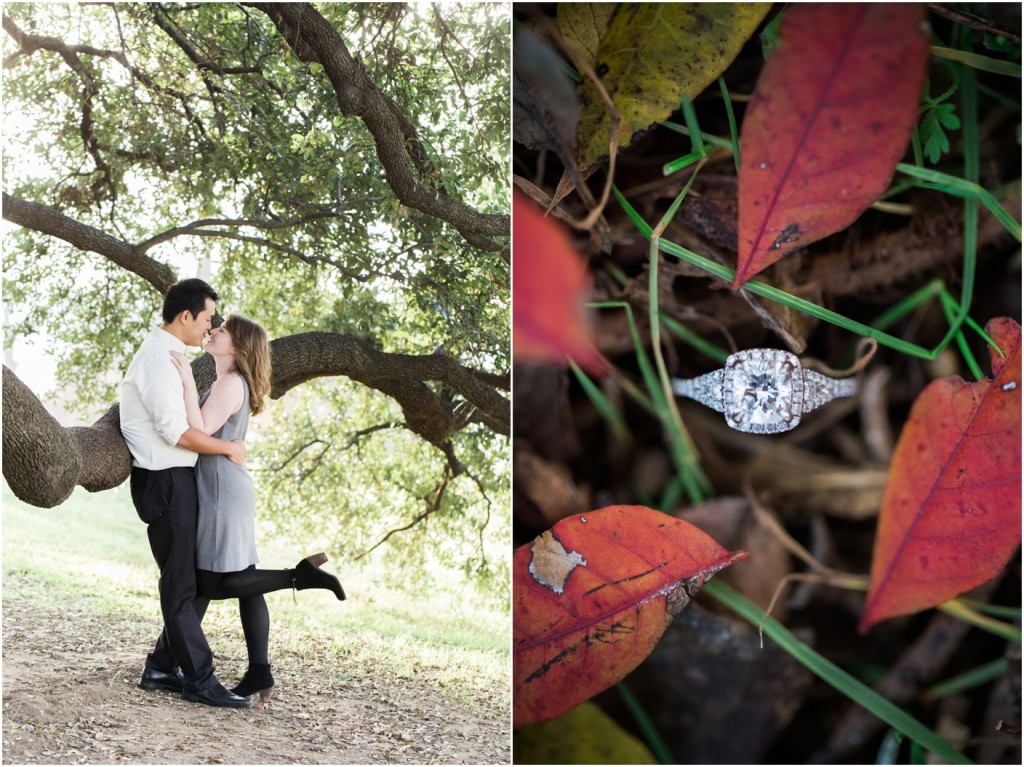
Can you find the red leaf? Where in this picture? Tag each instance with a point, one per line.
(593, 595)
(549, 284)
(950, 516)
(830, 117)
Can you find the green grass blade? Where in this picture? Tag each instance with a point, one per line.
(997, 611)
(683, 162)
(733, 133)
(671, 496)
(601, 403)
(950, 308)
(972, 173)
(977, 61)
(715, 141)
(959, 610)
(920, 296)
(690, 115)
(699, 343)
(898, 186)
(850, 686)
(647, 728)
(681, 447)
(959, 187)
(915, 144)
(903, 307)
(781, 296)
(968, 680)
(650, 377)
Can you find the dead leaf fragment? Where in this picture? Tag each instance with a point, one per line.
(545, 112)
(548, 485)
(550, 564)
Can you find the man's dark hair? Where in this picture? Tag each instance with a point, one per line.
(187, 295)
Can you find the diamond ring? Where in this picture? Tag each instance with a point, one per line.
(764, 391)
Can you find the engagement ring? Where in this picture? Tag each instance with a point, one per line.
(764, 391)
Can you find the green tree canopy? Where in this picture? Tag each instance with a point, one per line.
(339, 173)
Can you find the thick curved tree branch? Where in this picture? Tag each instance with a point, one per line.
(309, 355)
(40, 218)
(41, 461)
(44, 461)
(313, 39)
(302, 357)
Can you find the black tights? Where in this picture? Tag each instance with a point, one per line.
(248, 587)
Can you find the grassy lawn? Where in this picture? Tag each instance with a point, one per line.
(93, 550)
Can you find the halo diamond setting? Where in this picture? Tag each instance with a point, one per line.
(763, 391)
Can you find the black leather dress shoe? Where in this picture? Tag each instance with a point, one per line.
(155, 679)
(218, 695)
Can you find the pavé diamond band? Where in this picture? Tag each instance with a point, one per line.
(764, 391)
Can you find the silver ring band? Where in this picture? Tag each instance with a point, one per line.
(764, 391)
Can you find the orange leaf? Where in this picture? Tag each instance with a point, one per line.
(951, 512)
(829, 119)
(549, 284)
(593, 595)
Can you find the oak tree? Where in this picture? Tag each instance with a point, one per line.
(339, 173)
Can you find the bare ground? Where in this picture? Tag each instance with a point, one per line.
(70, 696)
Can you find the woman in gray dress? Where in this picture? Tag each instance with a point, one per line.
(226, 536)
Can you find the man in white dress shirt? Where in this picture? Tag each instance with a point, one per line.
(164, 451)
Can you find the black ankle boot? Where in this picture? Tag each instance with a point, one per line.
(308, 575)
(257, 681)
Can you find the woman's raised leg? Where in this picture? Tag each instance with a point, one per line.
(250, 582)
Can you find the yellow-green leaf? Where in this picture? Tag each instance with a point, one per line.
(584, 735)
(583, 25)
(653, 54)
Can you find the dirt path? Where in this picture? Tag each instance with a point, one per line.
(70, 696)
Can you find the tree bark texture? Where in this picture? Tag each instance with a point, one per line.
(40, 460)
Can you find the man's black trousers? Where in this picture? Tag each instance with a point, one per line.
(167, 502)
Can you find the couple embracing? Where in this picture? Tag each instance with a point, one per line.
(189, 486)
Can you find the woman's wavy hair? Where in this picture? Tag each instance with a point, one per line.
(252, 357)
